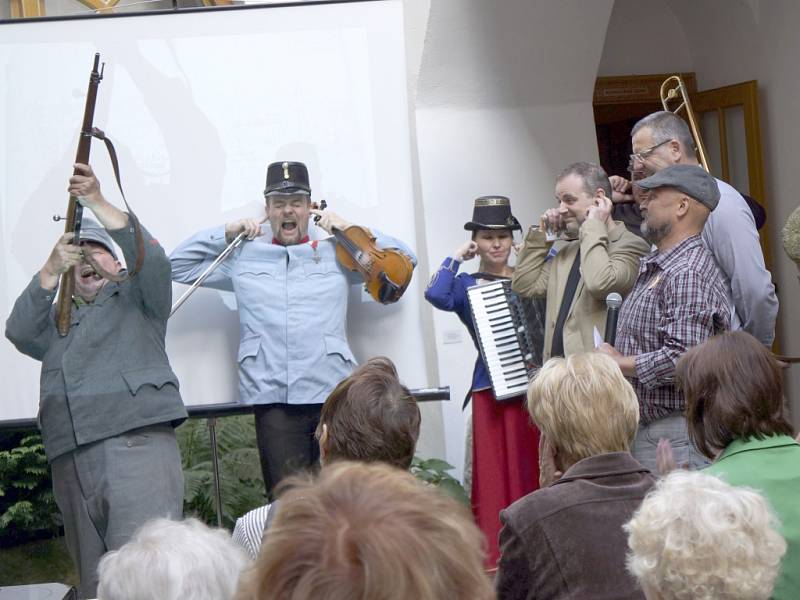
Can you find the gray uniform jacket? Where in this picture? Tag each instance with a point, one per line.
(292, 304)
(110, 374)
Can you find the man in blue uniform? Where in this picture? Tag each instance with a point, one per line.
(292, 299)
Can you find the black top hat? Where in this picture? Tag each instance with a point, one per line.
(287, 178)
(492, 212)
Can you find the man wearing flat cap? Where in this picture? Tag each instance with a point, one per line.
(662, 139)
(595, 256)
(108, 397)
(291, 294)
(678, 301)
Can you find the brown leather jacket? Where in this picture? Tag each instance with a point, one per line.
(566, 540)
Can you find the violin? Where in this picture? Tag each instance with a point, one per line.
(386, 273)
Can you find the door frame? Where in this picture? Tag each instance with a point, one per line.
(620, 94)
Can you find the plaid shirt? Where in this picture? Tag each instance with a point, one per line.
(678, 301)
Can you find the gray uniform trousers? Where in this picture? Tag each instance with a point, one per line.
(108, 489)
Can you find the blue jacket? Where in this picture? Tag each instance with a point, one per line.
(447, 290)
(292, 311)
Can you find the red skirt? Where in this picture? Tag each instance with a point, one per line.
(505, 461)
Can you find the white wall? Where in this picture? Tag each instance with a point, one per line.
(643, 37)
(779, 79)
(722, 39)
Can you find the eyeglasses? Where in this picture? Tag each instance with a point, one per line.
(637, 174)
(645, 154)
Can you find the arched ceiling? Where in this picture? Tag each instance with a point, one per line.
(511, 52)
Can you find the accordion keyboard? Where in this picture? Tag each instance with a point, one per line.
(503, 340)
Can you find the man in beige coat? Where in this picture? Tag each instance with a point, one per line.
(576, 257)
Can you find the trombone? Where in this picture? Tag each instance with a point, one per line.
(678, 91)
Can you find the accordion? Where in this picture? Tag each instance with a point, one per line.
(510, 333)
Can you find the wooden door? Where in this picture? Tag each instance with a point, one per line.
(728, 118)
(21, 9)
(618, 103)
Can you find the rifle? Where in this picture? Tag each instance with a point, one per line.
(74, 208)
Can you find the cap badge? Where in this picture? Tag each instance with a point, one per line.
(285, 170)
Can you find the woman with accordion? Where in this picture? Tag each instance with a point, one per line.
(504, 442)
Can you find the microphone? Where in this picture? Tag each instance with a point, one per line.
(613, 302)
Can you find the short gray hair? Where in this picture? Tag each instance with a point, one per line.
(695, 536)
(172, 560)
(593, 176)
(665, 126)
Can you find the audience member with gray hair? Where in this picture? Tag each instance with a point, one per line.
(663, 139)
(172, 560)
(696, 537)
(565, 540)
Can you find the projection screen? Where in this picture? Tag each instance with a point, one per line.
(197, 104)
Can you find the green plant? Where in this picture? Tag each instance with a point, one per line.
(27, 506)
(39, 561)
(241, 483)
(434, 472)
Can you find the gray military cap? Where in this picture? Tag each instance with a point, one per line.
(92, 231)
(692, 180)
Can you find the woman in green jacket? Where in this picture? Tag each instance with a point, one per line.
(735, 409)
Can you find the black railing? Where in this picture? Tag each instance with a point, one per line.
(212, 412)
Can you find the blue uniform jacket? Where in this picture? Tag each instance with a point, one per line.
(447, 290)
(292, 311)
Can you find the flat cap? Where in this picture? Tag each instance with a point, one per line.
(92, 231)
(692, 180)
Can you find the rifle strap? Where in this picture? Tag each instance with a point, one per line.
(112, 153)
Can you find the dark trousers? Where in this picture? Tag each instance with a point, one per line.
(286, 442)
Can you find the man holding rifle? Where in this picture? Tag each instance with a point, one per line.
(108, 397)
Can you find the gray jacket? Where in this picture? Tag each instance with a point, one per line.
(110, 374)
(730, 233)
(292, 304)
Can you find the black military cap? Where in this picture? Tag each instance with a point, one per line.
(287, 178)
